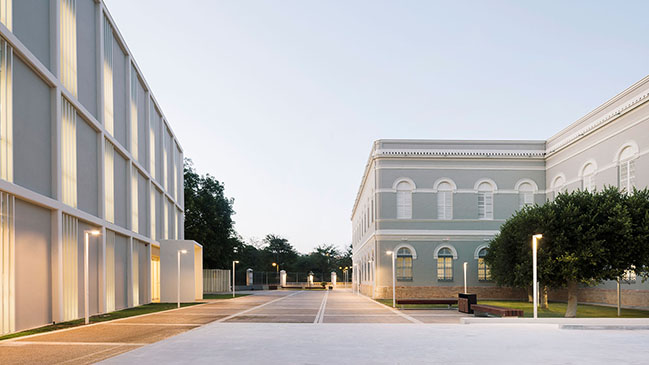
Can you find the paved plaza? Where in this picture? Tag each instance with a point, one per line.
(320, 327)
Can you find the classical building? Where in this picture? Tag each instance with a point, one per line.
(84, 148)
(436, 204)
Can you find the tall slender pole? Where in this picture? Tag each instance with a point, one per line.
(465, 264)
(233, 277)
(619, 297)
(535, 284)
(394, 283)
(178, 282)
(85, 277)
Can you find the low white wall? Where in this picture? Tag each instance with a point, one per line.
(189, 284)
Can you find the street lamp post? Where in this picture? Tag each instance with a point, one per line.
(464, 265)
(276, 269)
(233, 276)
(86, 235)
(178, 284)
(535, 284)
(394, 280)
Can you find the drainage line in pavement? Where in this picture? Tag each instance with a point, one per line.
(320, 316)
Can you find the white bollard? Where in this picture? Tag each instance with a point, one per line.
(282, 278)
(333, 279)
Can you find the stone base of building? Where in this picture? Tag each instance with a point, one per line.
(412, 292)
(630, 297)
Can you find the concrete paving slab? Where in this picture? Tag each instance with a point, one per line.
(52, 354)
(259, 343)
(108, 333)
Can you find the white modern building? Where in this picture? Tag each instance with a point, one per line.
(436, 204)
(84, 146)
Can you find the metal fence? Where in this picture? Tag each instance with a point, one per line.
(216, 281)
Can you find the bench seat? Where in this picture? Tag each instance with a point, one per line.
(496, 311)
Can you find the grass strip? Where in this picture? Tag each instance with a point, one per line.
(223, 296)
(558, 309)
(124, 313)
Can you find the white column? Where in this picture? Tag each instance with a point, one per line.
(282, 278)
(333, 279)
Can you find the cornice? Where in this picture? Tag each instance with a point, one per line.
(461, 153)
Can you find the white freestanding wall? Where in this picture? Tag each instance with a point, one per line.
(191, 271)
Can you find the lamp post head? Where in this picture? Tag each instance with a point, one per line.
(93, 232)
(538, 236)
(183, 251)
(235, 262)
(274, 264)
(340, 267)
(389, 252)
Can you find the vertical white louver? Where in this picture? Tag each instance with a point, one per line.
(152, 142)
(69, 153)
(155, 279)
(109, 182)
(164, 157)
(135, 213)
(485, 205)
(108, 76)
(6, 111)
(176, 217)
(7, 265)
(176, 164)
(68, 35)
(134, 121)
(627, 175)
(6, 13)
(110, 271)
(135, 267)
(165, 220)
(445, 201)
(152, 215)
(70, 268)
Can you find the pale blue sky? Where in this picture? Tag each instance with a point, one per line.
(281, 100)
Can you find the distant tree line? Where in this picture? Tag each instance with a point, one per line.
(208, 221)
(588, 238)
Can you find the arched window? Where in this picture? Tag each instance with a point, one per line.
(445, 264)
(404, 200)
(626, 169)
(588, 177)
(525, 194)
(444, 200)
(483, 269)
(558, 185)
(485, 201)
(404, 264)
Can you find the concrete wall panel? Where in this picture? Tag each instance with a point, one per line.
(32, 26)
(121, 202)
(87, 168)
(87, 54)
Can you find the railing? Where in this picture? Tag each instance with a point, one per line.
(216, 281)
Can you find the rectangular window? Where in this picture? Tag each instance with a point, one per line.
(445, 205)
(155, 278)
(404, 204)
(483, 270)
(404, 268)
(626, 175)
(445, 268)
(526, 198)
(68, 35)
(6, 13)
(485, 205)
(6, 110)
(109, 182)
(108, 77)
(69, 153)
(7, 264)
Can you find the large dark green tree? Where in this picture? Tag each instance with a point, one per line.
(208, 218)
(587, 238)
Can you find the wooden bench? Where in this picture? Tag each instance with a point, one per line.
(448, 302)
(482, 309)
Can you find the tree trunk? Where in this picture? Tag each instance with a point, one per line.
(544, 297)
(571, 309)
(530, 294)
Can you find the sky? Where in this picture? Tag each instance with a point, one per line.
(281, 100)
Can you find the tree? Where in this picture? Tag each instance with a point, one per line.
(587, 238)
(280, 251)
(208, 217)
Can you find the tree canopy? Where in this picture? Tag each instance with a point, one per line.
(587, 238)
